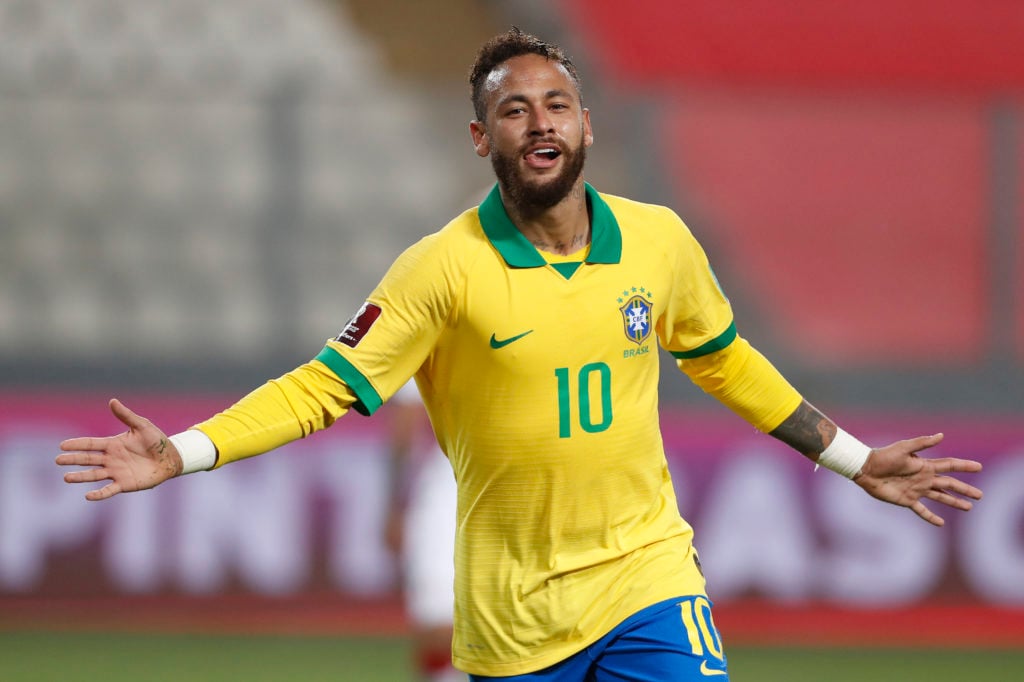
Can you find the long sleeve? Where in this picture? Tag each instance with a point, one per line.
(746, 382)
(307, 399)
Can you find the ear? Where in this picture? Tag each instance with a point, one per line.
(481, 141)
(588, 132)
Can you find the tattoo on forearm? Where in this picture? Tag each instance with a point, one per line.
(806, 430)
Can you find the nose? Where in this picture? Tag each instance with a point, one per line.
(540, 122)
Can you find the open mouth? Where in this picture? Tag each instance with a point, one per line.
(543, 157)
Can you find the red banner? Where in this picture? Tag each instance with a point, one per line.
(959, 45)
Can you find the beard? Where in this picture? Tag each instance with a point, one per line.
(534, 197)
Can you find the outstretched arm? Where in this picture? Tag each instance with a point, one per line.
(309, 398)
(140, 458)
(894, 473)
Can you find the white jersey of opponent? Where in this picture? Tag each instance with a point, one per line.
(428, 548)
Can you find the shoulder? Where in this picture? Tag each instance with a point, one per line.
(460, 238)
(439, 261)
(651, 221)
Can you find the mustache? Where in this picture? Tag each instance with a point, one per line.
(558, 144)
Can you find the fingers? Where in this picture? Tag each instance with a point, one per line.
(927, 514)
(949, 500)
(103, 493)
(955, 485)
(948, 490)
(946, 464)
(86, 443)
(127, 417)
(89, 475)
(86, 476)
(923, 442)
(82, 459)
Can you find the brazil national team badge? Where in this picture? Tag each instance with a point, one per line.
(636, 319)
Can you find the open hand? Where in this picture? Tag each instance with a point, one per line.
(897, 475)
(140, 458)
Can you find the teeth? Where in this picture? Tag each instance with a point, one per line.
(545, 151)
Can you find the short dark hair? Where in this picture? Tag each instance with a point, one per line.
(501, 48)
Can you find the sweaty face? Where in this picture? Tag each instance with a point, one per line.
(537, 131)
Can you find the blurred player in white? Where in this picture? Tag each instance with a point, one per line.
(421, 531)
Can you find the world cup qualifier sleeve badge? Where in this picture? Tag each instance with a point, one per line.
(360, 323)
(636, 316)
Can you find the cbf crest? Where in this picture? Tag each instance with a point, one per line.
(636, 314)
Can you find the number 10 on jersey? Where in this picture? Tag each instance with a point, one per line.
(593, 376)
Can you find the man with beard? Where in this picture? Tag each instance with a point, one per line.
(531, 324)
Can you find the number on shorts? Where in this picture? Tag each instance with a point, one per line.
(700, 628)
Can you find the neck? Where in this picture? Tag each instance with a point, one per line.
(562, 229)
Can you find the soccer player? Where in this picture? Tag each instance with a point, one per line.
(420, 528)
(531, 324)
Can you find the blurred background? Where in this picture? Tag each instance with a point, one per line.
(195, 195)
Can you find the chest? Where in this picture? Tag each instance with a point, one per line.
(600, 312)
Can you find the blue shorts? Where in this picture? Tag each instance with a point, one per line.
(671, 641)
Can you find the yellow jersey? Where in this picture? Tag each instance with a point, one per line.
(541, 382)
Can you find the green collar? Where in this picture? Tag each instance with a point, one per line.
(518, 252)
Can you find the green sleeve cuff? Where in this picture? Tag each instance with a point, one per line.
(713, 346)
(368, 399)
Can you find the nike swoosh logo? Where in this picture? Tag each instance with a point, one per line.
(708, 672)
(501, 343)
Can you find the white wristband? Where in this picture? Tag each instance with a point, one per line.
(844, 455)
(198, 453)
